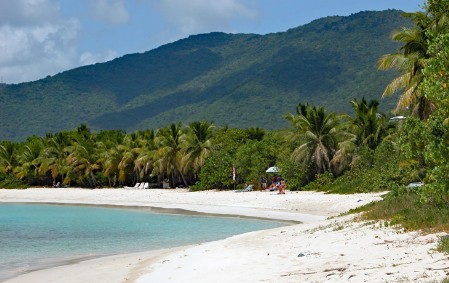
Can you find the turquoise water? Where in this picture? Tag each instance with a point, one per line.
(35, 236)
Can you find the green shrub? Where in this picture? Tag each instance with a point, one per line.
(372, 171)
(9, 181)
(322, 182)
(443, 244)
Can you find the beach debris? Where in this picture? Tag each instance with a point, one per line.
(301, 255)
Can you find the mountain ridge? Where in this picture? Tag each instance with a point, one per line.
(242, 80)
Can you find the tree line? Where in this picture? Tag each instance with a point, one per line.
(320, 150)
(198, 154)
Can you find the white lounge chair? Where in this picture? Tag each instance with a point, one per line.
(136, 186)
(146, 185)
(248, 188)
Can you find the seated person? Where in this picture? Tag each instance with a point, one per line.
(282, 187)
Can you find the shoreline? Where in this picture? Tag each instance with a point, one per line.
(321, 249)
(164, 210)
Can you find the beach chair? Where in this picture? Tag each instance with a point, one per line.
(146, 185)
(248, 188)
(136, 186)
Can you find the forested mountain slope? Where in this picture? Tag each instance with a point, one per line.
(241, 80)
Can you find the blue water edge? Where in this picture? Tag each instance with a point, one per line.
(36, 236)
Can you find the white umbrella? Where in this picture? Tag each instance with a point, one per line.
(273, 169)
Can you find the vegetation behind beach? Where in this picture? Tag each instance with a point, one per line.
(405, 152)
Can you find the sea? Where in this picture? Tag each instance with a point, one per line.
(39, 236)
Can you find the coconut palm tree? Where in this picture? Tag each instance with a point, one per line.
(198, 144)
(8, 159)
(83, 158)
(53, 158)
(28, 159)
(169, 141)
(129, 152)
(409, 61)
(145, 160)
(256, 134)
(370, 126)
(316, 137)
(110, 160)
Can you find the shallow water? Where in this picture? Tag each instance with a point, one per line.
(36, 236)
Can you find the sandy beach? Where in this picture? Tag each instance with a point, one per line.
(320, 249)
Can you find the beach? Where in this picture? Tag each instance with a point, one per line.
(324, 247)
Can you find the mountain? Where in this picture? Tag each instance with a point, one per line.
(241, 80)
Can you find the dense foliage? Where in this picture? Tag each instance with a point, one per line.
(423, 138)
(240, 80)
(202, 156)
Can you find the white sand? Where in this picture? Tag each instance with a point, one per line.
(320, 250)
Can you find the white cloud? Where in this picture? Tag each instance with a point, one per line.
(87, 58)
(198, 16)
(34, 39)
(28, 12)
(111, 11)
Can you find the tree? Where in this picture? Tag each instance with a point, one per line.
(216, 173)
(198, 144)
(53, 158)
(83, 158)
(256, 134)
(169, 141)
(146, 153)
(316, 137)
(7, 157)
(128, 152)
(370, 126)
(409, 61)
(28, 159)
(435, 87)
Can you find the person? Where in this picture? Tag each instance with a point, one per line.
(278, 180)
(263, 183)
(282, 187)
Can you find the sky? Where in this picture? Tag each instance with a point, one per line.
(45, 37)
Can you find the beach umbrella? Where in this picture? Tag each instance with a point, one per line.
(273, 169)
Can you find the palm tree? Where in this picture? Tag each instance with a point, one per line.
(83, 158)
(256, 134)
(7, 157)
(129, 152)
(28, 159)
(317, 136)
(409, 61)
(53, 158)
(169, 141)
(370, 126)
(145, 160)
(198, 144)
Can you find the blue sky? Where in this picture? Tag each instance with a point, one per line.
(45, 37)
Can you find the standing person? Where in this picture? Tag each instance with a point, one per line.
(263, 183)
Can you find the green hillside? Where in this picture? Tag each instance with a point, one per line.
(241, 80)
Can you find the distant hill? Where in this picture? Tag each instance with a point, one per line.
(241, 80)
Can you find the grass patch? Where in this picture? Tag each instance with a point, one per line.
(443, 245)
(405, 210)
